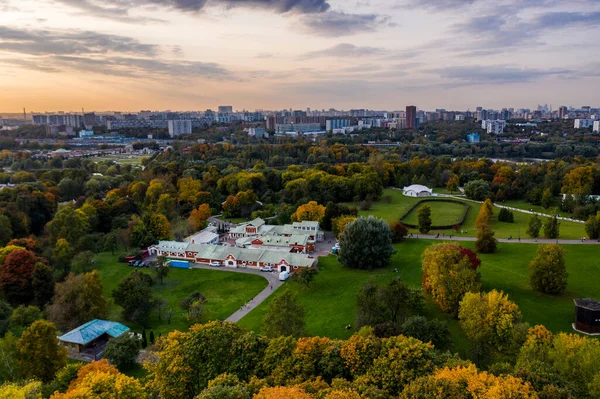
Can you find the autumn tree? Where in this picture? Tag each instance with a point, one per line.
(578, 181)
(466, 382)
(149, 229)
(366, 243)
(282, 393)
(399, 231)
(40, 355)
(188, 189)
(285, 316)
(486, 242)
(78, 300)
(16, 275)
(449, 272)
(547, 271)
(552, 228)
(452, 183)
(231, 207)
(99, 380)
(310, 211)
(186, 362)
(23, 389)
(484, 217)
(534, 227)
(334, 211)
(339, 224)
(9, 355)
(492, 322)
(24, 316)
(425, 219)
(547, 198)
(199, 216)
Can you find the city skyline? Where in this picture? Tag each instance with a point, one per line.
(278, 54)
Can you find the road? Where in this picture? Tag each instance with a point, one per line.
(273, 285)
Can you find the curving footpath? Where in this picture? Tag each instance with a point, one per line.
(273, 283)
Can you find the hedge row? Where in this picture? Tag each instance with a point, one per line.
(438, 227)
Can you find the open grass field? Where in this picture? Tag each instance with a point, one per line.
(330, 302)
(523, 204)
(442, 212)
(122, 159)
(399, 204)
(225, 292)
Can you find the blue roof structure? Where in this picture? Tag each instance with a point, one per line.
(92, 330)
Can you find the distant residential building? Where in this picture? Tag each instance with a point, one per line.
(296, 127)
(181, 126)
(331, 124)
(596, 127)
(563, 112)
(258, 132)
(459, 117)
(411, 117)
(225, 109)
(583, 123)
(137, 124)
(473, 138)
(493, 126)
(86, 133)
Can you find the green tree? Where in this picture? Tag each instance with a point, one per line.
(477, 190)
(285, 316)
(78, 300)
(42, 284)
(161, 268)
(6, 231)
(449, 272)
(547, 198)
(305, 276)
(122, 351)
(62, 256)
(552, 228)
(486, 242)
(5, 315)
(135, 296)
(68, 224)
(434, 331)
(22, 317)
(547, 271)
(535, 225)
(9, 355)
(366, 243)
(83, 262)
(592, 227)
(40, 355)
(425, 219)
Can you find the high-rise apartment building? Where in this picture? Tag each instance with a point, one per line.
(180, 126)
(411, 117)
(562, 112)
(225, 109)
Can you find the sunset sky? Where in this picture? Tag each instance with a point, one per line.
(273, 54)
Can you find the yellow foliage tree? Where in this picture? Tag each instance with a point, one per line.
(492, 320)
(343, 394)
(99, 380)
(27, 390)
(484, 217)
(188, 189)
(311, 211)
(339, 224)
(578, 181)
(282, 393)
(199, 216)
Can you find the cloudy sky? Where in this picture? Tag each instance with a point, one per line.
(272, 54)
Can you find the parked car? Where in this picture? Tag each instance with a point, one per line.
(284, 276)
(215, 263)
(145, 263)
(138, 263)
(132, 262)
(266, 269)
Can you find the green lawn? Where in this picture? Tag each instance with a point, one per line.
(398, 205)
(225, 291)
(523, 204)
(442, 213)
(330, 302)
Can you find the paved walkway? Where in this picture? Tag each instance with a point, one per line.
(512, 241)
(272, 278)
